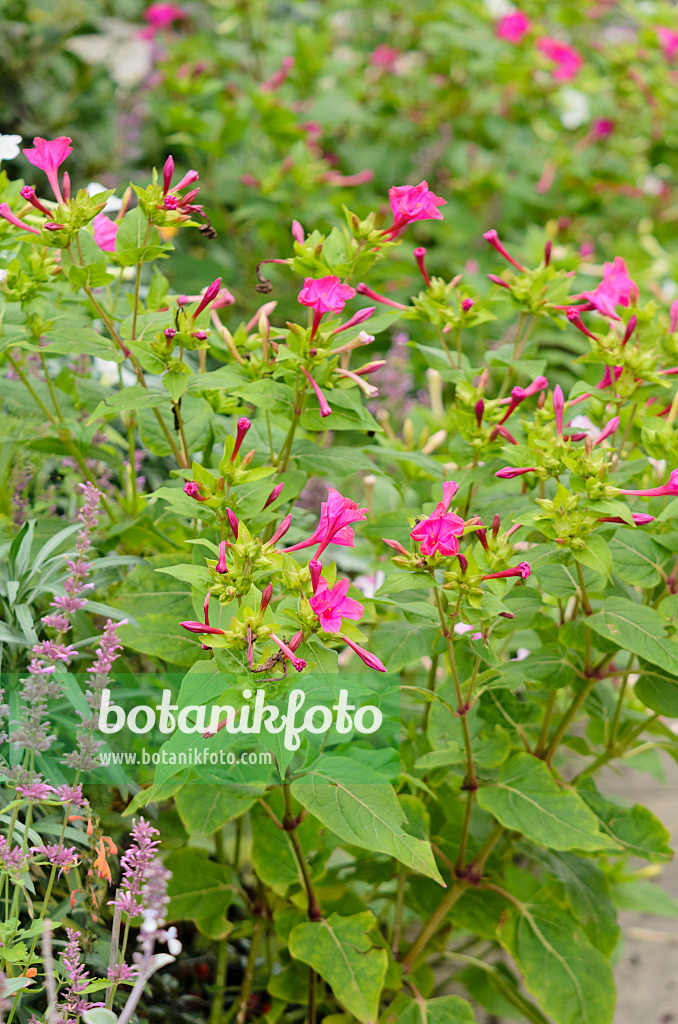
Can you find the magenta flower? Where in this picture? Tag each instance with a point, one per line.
(566, 58)
(49, 155)
(668, 40)
(410, 203)
(222, 566)
(558, 406)
(192, 489)
(513, 27)
(608, 429)
(244, 425)
(420, 256)
(493, 238)
(160, 16)
(281, 530)
(616, 289)
(62, 857)
(105, 232)
(439, 533)
(509, 472)
(385, 57)
(363, 289)
(324, 295)
(522, 569)
(600, 130)
(336, 515)
(669, 489)
(370, 660)
(298, 663)
(36, 791)
(325, 408)
(6, 213)
(200, 627)
(331, 605)
(298, 232)
(639, 519)
(273, 495)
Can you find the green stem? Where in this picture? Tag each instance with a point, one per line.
(221, 974)
(290, 826)
(576, 703)
(50, 385)
(540, 749)
(432, 925)
(246, 986)
(618, 709)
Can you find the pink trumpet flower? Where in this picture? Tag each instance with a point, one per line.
(522, 569)
(558, 407)
(616, 289)
(410, 203)
(396, 545)
(440, 532)
(201, 627)
(363, 289)
(639, 519)
(281, 530)
(331, 605)
(315, 568)
(358, 318)
(221, 566)
(298, 232)
(493, 238)
(233, 522)
(336, 515)
(369, 659)
(608, 429)
(298, 663)
(324, 295)
(510, 472)
(244, 425)
(6, 212)
(28, 193)
(513, 27)
(49, 155)
(105, 232)
(325, 408)
(273, 495)
(420, 256)
(669, 489)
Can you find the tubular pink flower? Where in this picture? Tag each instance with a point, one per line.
(298, 663)
(498, 280)
(558, 407)
(363, 289)
(221, 566)
(188, 179)
(369, 389)
(105, 232)
(200, 627)
(548, 249)
(210, 294)
(479, 411)
(566, 58)
(410, 203)
(608, 429)
(420, 256)
(439, 533)
(372, 367)
(315, 568)
(509, 472)
(193, 491)
(232, 522)
(325, 409)
(167, 174)
(336, 515)
(66, 186)
(396, 545)
(298, 232)
(467, 305)
(522, 569)
(493, 238)
(28, 193)
(332, 605)
(513, 27)
(668, 40)
(49, 155)
(325, 294)
(360, 339)
(500, 431)
(630, 328)
(370, 660)
(669, 489)
(639, 519)
(574, 317)
(6, 212)
(616, 289)
(266, 596)
(673, 316)
(278, 77)
(282, 529)
(358, 318)
(243, 426)
(273, 495)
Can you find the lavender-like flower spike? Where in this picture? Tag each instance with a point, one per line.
(134, 863)
(78, 977)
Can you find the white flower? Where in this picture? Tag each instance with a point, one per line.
(582, 424)
(521, 654)
(112, 205)
(173, 943)
(575, 108)
(462, 627)
(9, 146)
(369, 585)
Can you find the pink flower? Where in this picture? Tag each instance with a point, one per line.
(324, 295)
(331, 605)
(639, 519)
(105, 231)
(370, 659)
(601, 129)
(669, 489)
(49, 156)
(439, 533)
(6, 213)
(493, 238)
(336, 515)
(161, 15)
(244, 425)
(298, 663)
(668, 40)
(513, 27)
(558, 406)
(522, 569)
(509, 473)
(325, 409)
(566, 58)
(616, 289)
(384, 57)
(410, 203)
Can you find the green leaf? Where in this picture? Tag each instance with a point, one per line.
(635, 627)
(596, 555)
(200, 890)
(361, 809)
(526, 798)
(204, 809)
(658, 691)
(588, 893)
(570, 979)
(99, 1015)
(634, 828)
(399, 643)
(341, 951)
(636, 559)
(548, 665)
(196, 575)
(444, 1010)
(272, 854)
(134, 397)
